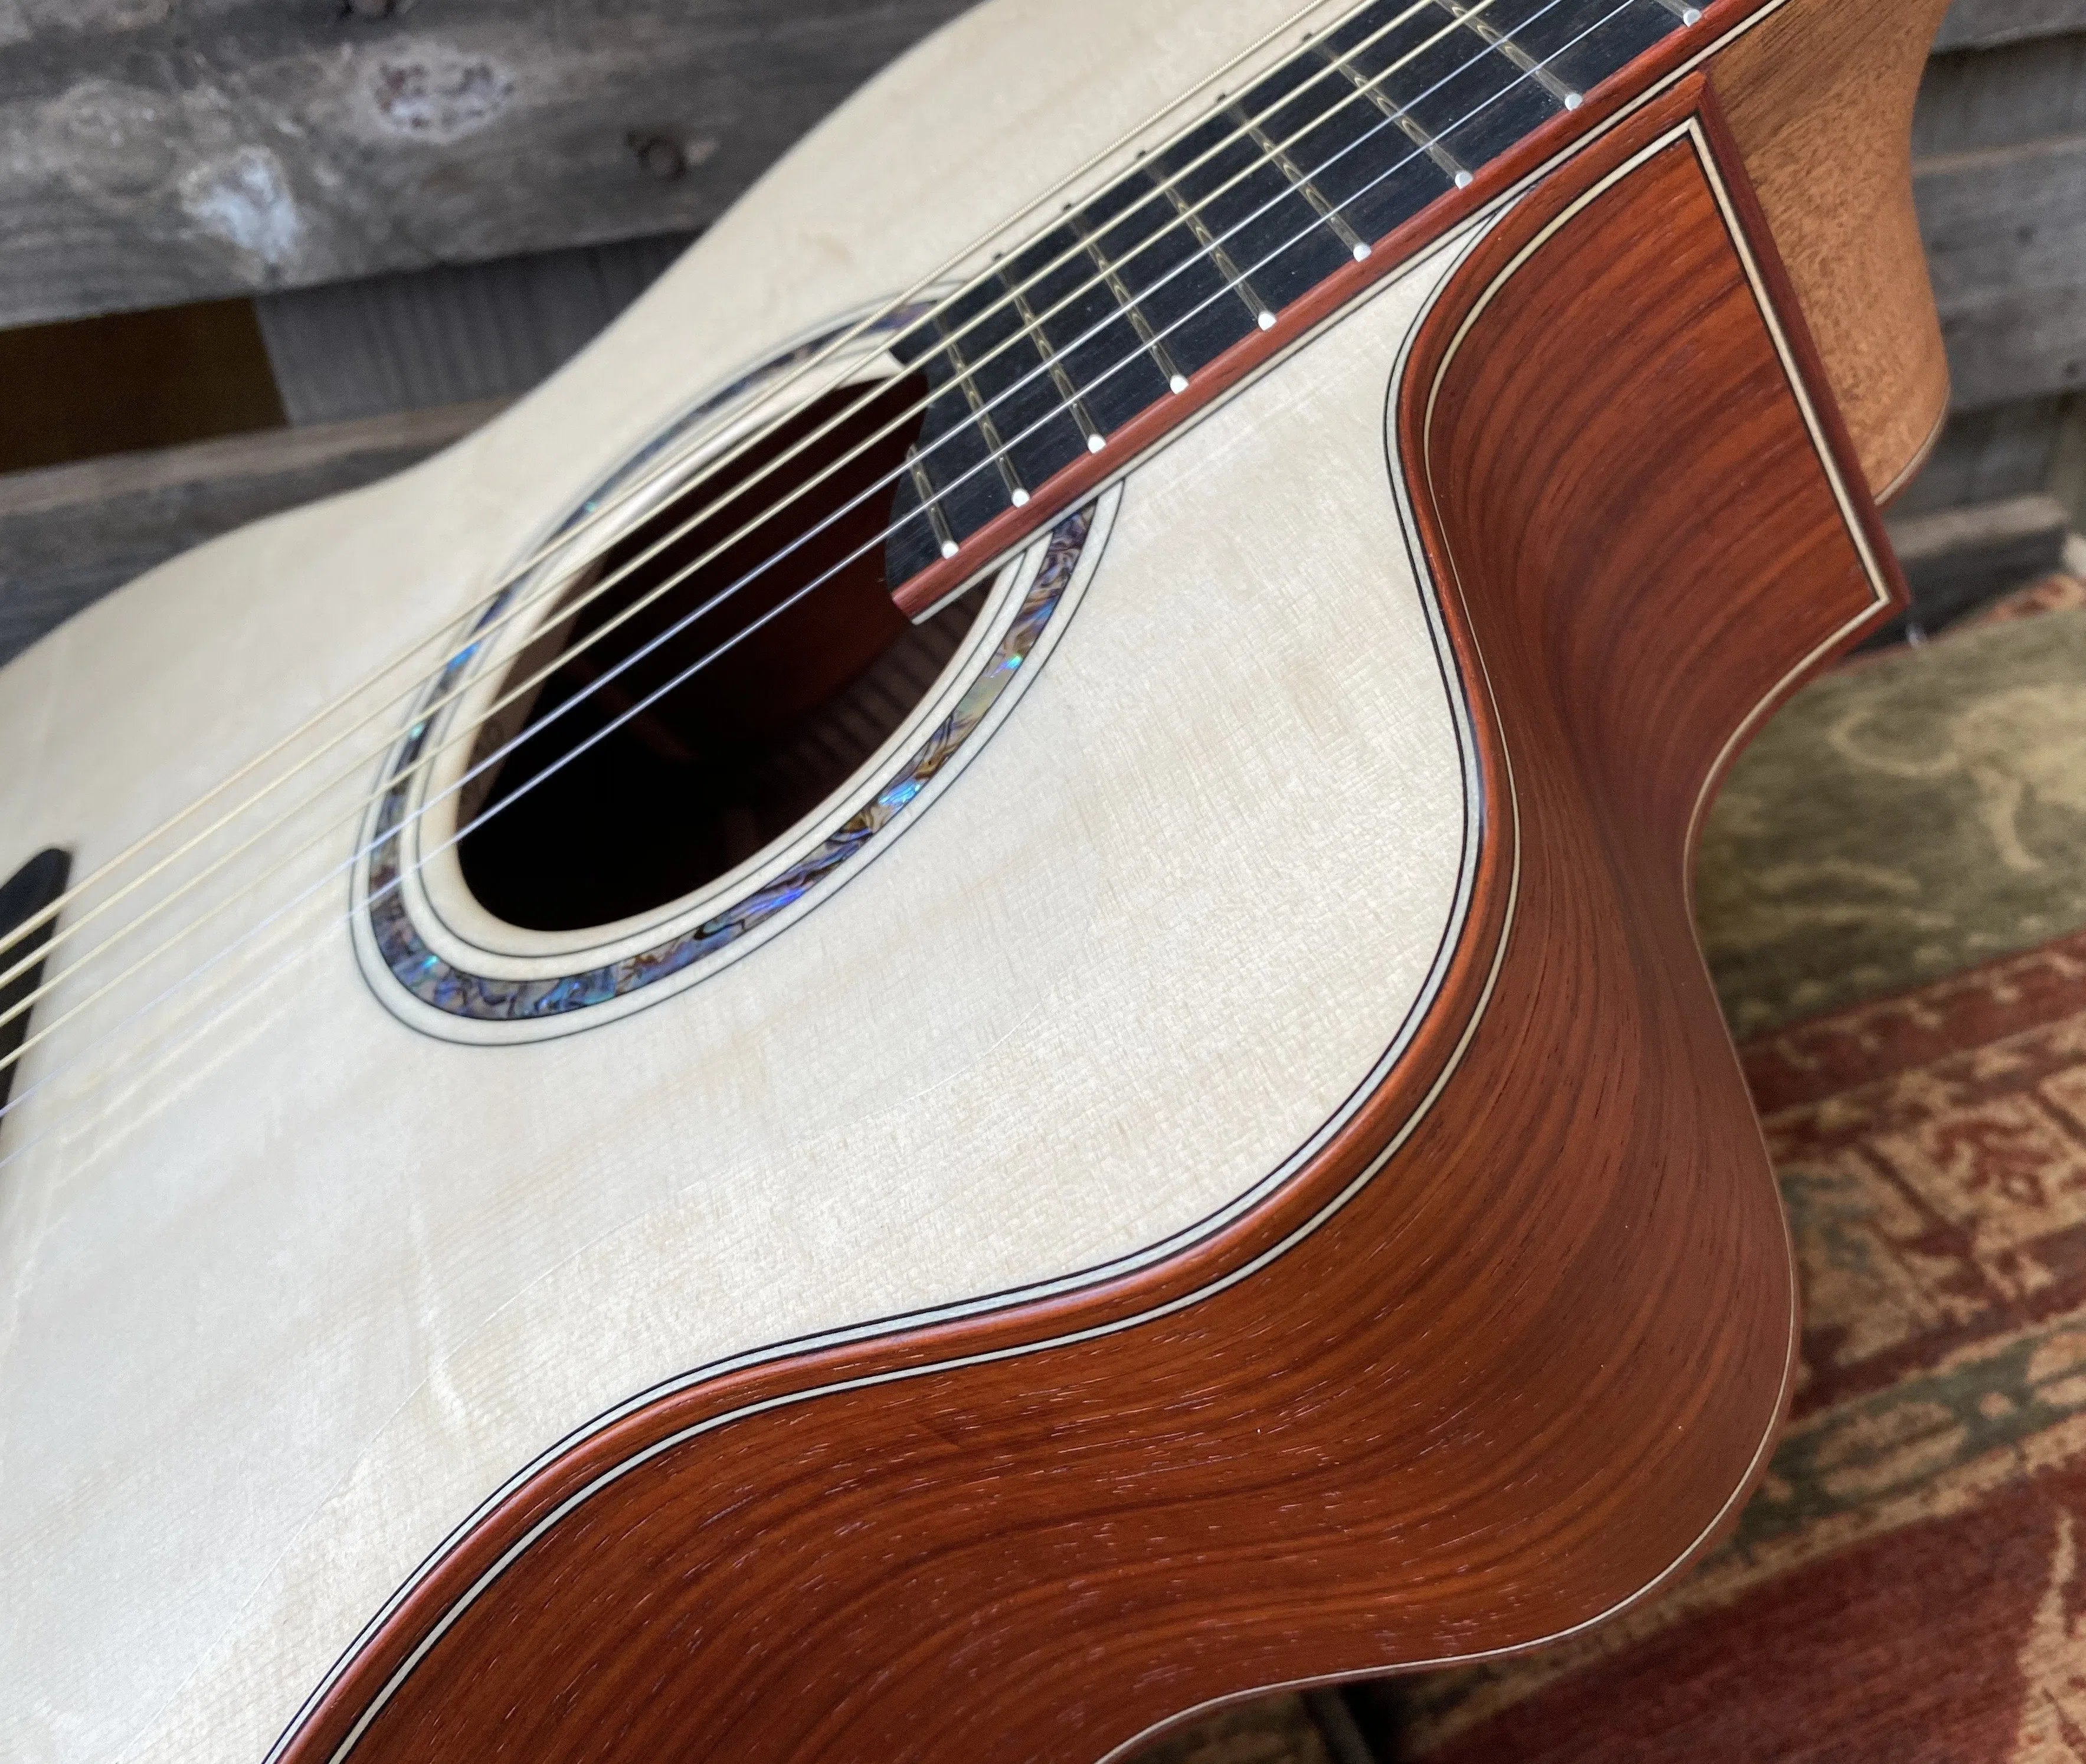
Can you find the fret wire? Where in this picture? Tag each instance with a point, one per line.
(923, 487)
(1040, 341)
(1155, 346)
(1263, 315)
(981, 414)
(1682, 10)
(1326, 210)
(1513, 51)
(1458, 173)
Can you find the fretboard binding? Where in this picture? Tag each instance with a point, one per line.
(930, 499)
(1154, 345)
(1017, 493)
(1457, 172)
(1482, 28)
(1263, 314)
(1325, 209)
(1068, 394)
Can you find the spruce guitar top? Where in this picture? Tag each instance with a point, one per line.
(953, 1007)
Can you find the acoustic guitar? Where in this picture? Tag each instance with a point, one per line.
(953, 1007)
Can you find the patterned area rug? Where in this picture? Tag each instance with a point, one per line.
(1892, 890)
(1909, 815)
(1907, 1583)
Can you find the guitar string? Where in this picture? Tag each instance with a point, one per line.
(675, 458)
(636, 710)
(601, 633)
(480, 635)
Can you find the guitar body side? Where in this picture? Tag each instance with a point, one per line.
(1283, 1457)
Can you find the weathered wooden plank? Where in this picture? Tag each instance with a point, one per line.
(2005, 240)
(1997, 97)
(1983, 23)
(1988, 456)
(2016, 343)
(2004, 217)
(1959, 559)
(423, 338)
(149, 155)
(69, 534)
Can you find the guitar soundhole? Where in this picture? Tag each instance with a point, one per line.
(612, 802)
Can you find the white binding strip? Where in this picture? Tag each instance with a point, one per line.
(1879, 583)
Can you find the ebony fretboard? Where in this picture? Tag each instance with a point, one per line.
(1211, 237)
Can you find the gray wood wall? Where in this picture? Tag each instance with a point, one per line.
(163, 150)
(1999, 171)
(435, 202)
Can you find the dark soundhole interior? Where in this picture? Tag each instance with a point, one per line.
(726, 762)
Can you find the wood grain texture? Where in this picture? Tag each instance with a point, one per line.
(69, 533)
(159, 153)
(1973, 24)
(1507, 1381)
(2006, 236)
(420, 340)
(878, 1210)
(1819, 100)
